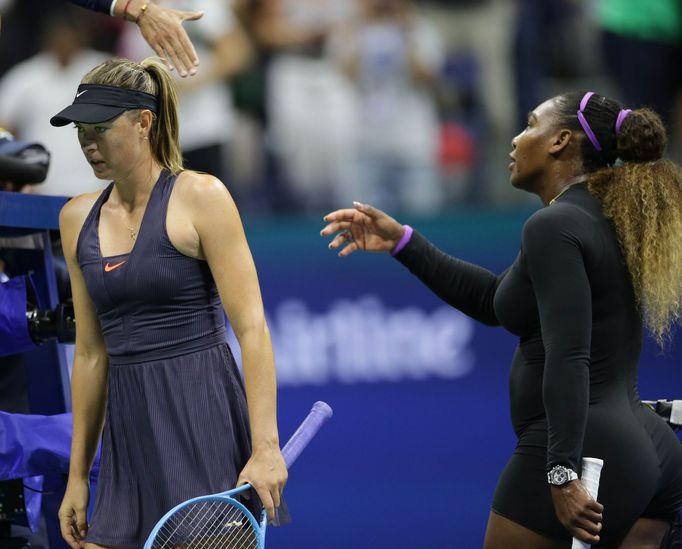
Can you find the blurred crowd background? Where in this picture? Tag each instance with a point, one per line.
(301, 106)
(305, 105)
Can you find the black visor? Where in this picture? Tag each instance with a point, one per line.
(94, 103)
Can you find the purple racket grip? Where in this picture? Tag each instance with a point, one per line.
(320, 412)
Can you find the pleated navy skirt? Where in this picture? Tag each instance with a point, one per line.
(175, 428)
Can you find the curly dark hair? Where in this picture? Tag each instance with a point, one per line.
(642, 194)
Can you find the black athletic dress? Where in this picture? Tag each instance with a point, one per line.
(573, 380)
(176, 417)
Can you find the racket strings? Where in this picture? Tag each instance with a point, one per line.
(211, 524)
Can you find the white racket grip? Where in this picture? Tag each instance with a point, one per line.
(590, 479)
(319, 414)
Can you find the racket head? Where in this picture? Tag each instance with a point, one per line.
(216, 521)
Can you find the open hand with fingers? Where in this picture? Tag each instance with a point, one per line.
(580, 514)
(362, 228)
(267, 473)
(163, 31)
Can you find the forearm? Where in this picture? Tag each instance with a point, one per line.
(566, 390)
(261, 386)
(89, 395)
(276, 34)
(463, 285)
(130, 9)
(419, 71)
(231, 55)
(350, 66)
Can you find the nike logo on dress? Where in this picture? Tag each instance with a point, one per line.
(108, 268)
(81, 93)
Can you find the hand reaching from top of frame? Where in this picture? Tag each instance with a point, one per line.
(577, 511)
(362, 228)
(162, 29)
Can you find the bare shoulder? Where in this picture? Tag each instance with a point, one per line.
(72, 217)
(208, 207)
(75, 211)
(202, 194)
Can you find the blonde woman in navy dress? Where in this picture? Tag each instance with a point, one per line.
(154, 260)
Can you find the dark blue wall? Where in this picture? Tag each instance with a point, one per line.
(421, 426)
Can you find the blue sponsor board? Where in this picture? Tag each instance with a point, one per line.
(421, 427)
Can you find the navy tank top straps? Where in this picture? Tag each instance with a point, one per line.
(153, 302)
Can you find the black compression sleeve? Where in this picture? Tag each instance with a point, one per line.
(554, 258)
(95, 5)
(463, 285)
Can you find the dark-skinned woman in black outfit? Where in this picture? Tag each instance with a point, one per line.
(602, 259)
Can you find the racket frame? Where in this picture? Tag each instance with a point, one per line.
(257, 527)
(318, 415)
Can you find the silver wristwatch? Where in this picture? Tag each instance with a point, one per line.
(560, 475)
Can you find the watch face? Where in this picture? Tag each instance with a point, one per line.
(559, 476)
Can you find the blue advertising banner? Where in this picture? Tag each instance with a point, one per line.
(421, 428)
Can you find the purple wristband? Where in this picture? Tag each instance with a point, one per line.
(403, 241)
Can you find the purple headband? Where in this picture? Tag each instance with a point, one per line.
(583, 121)
(622, 115)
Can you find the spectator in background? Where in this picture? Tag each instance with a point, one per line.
(250, 164)
(394, 57)
(32, 91)
(536, 20)
(478, 40)
(643, 51)
(309, 104)
(206, 109)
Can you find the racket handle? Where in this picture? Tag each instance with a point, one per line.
(590, 479)
(320, 412)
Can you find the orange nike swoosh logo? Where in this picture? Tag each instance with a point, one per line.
(109, 268)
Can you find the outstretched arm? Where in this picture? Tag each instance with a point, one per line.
(463, 285)
(466, 287)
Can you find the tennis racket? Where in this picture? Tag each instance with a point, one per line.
(590, 479)
(219, 521)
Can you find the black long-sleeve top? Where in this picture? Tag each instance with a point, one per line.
(569, 298)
